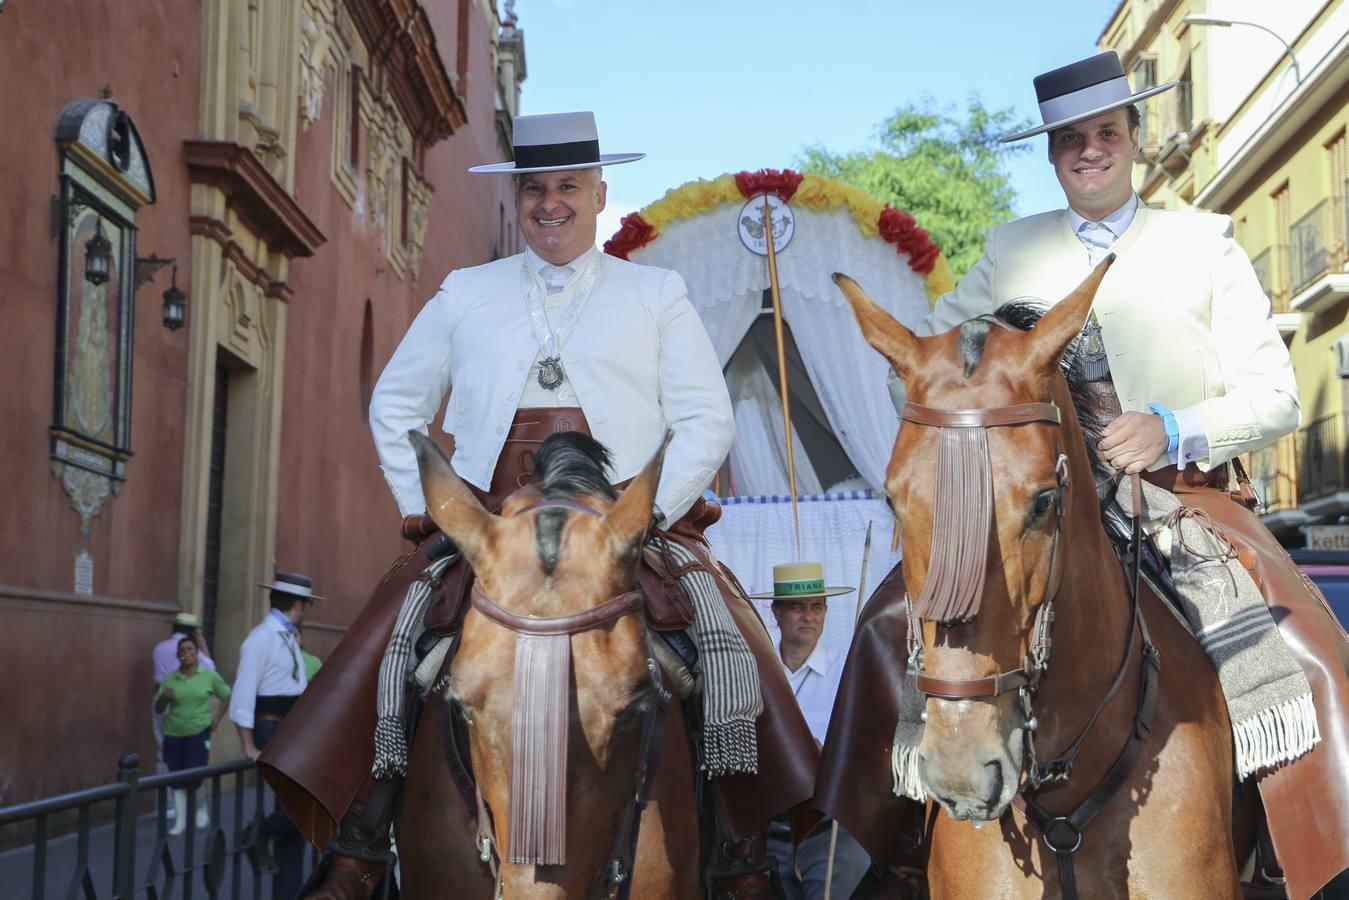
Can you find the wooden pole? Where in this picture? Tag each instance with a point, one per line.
(862, 579)
(776, 294)
(861, 602)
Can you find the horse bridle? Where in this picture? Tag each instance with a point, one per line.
(619, 869)
(1062, 834)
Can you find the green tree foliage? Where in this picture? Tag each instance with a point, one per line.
(948, 173)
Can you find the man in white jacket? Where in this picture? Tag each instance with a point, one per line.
(563, 337)
(1184, 363)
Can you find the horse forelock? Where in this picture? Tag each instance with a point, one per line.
(567, 466)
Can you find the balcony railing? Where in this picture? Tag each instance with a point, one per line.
(1263, 272)
(1312, 243)
(1273, 482)
(1320, 452)
(1282, 278)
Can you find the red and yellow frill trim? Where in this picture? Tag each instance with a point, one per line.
(874, 218)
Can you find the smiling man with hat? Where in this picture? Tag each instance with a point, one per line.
(558, 338)
(799, 598)
(1182, 359)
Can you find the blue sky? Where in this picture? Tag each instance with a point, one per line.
(710, 87)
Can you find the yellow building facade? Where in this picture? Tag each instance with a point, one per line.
(1256, 129)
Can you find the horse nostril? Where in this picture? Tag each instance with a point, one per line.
(995, 778)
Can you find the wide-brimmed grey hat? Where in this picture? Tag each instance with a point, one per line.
(1081, 90)
(290, 583)
(554, 143)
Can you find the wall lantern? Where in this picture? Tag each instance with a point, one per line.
(175, 304)
(97, 254)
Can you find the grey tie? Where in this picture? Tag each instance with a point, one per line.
(1097, 239)
(555, 277)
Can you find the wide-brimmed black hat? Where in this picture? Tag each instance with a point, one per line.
(1082, 90)
(290, 583)
(554, 143)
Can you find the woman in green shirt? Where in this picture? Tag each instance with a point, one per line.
(186, 695)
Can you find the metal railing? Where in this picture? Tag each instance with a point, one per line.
(172, 867)
(1283, 294)
(1321, 458)
(1312, 242)
(1263, 272)
(1276, 487)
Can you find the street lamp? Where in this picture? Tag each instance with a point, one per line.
(97, 253)
(1224, 22)
(175, 304)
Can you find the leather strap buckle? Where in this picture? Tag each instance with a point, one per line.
(1059, 833)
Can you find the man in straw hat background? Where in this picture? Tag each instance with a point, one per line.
(558, 338)
(799, 594)
(1185, 364)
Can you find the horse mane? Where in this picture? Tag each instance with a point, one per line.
(1022, 315)
(567, 465)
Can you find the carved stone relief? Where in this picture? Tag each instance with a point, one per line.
(317, 28)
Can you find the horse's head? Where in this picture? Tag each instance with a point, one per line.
(985, 474)
(551, 742)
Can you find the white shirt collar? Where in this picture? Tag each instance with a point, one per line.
(537, 263)
(1117, 222)
(818, 660)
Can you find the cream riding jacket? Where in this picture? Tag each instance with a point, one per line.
(638, 359)
(1183, 318)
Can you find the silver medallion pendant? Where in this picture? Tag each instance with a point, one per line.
(551, 375)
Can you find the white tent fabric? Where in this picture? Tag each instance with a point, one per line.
(758, 456)
(751, 539)
(726, 284)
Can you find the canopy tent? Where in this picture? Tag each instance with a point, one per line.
(713, 234)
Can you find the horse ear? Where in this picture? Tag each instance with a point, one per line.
(1056, 329)
(889, 338)
(448, 500)
(630, 517)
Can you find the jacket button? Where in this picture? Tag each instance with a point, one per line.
(510, 395)
(520, 364)
(500, 430)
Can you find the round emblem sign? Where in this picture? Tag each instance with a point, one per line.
(751, 225)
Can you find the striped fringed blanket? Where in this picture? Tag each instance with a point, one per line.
(391, 745)
(732, 697)
(1269, 699)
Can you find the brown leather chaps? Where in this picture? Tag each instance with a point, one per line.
(1307, 801)
(319, 762)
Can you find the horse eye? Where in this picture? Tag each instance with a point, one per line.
(1044, 502)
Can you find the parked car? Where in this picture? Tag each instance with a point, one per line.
(1330, 570)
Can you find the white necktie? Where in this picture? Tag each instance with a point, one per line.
(1097, 239)
(555, 277)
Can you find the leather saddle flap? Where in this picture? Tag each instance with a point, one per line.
(668, 606)
(446, 612)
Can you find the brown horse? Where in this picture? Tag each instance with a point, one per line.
(555, 680)
(1018, 528)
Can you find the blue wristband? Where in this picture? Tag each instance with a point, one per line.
(1168, 423)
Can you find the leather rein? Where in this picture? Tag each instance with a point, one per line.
(619, 869)
(1062, 834)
